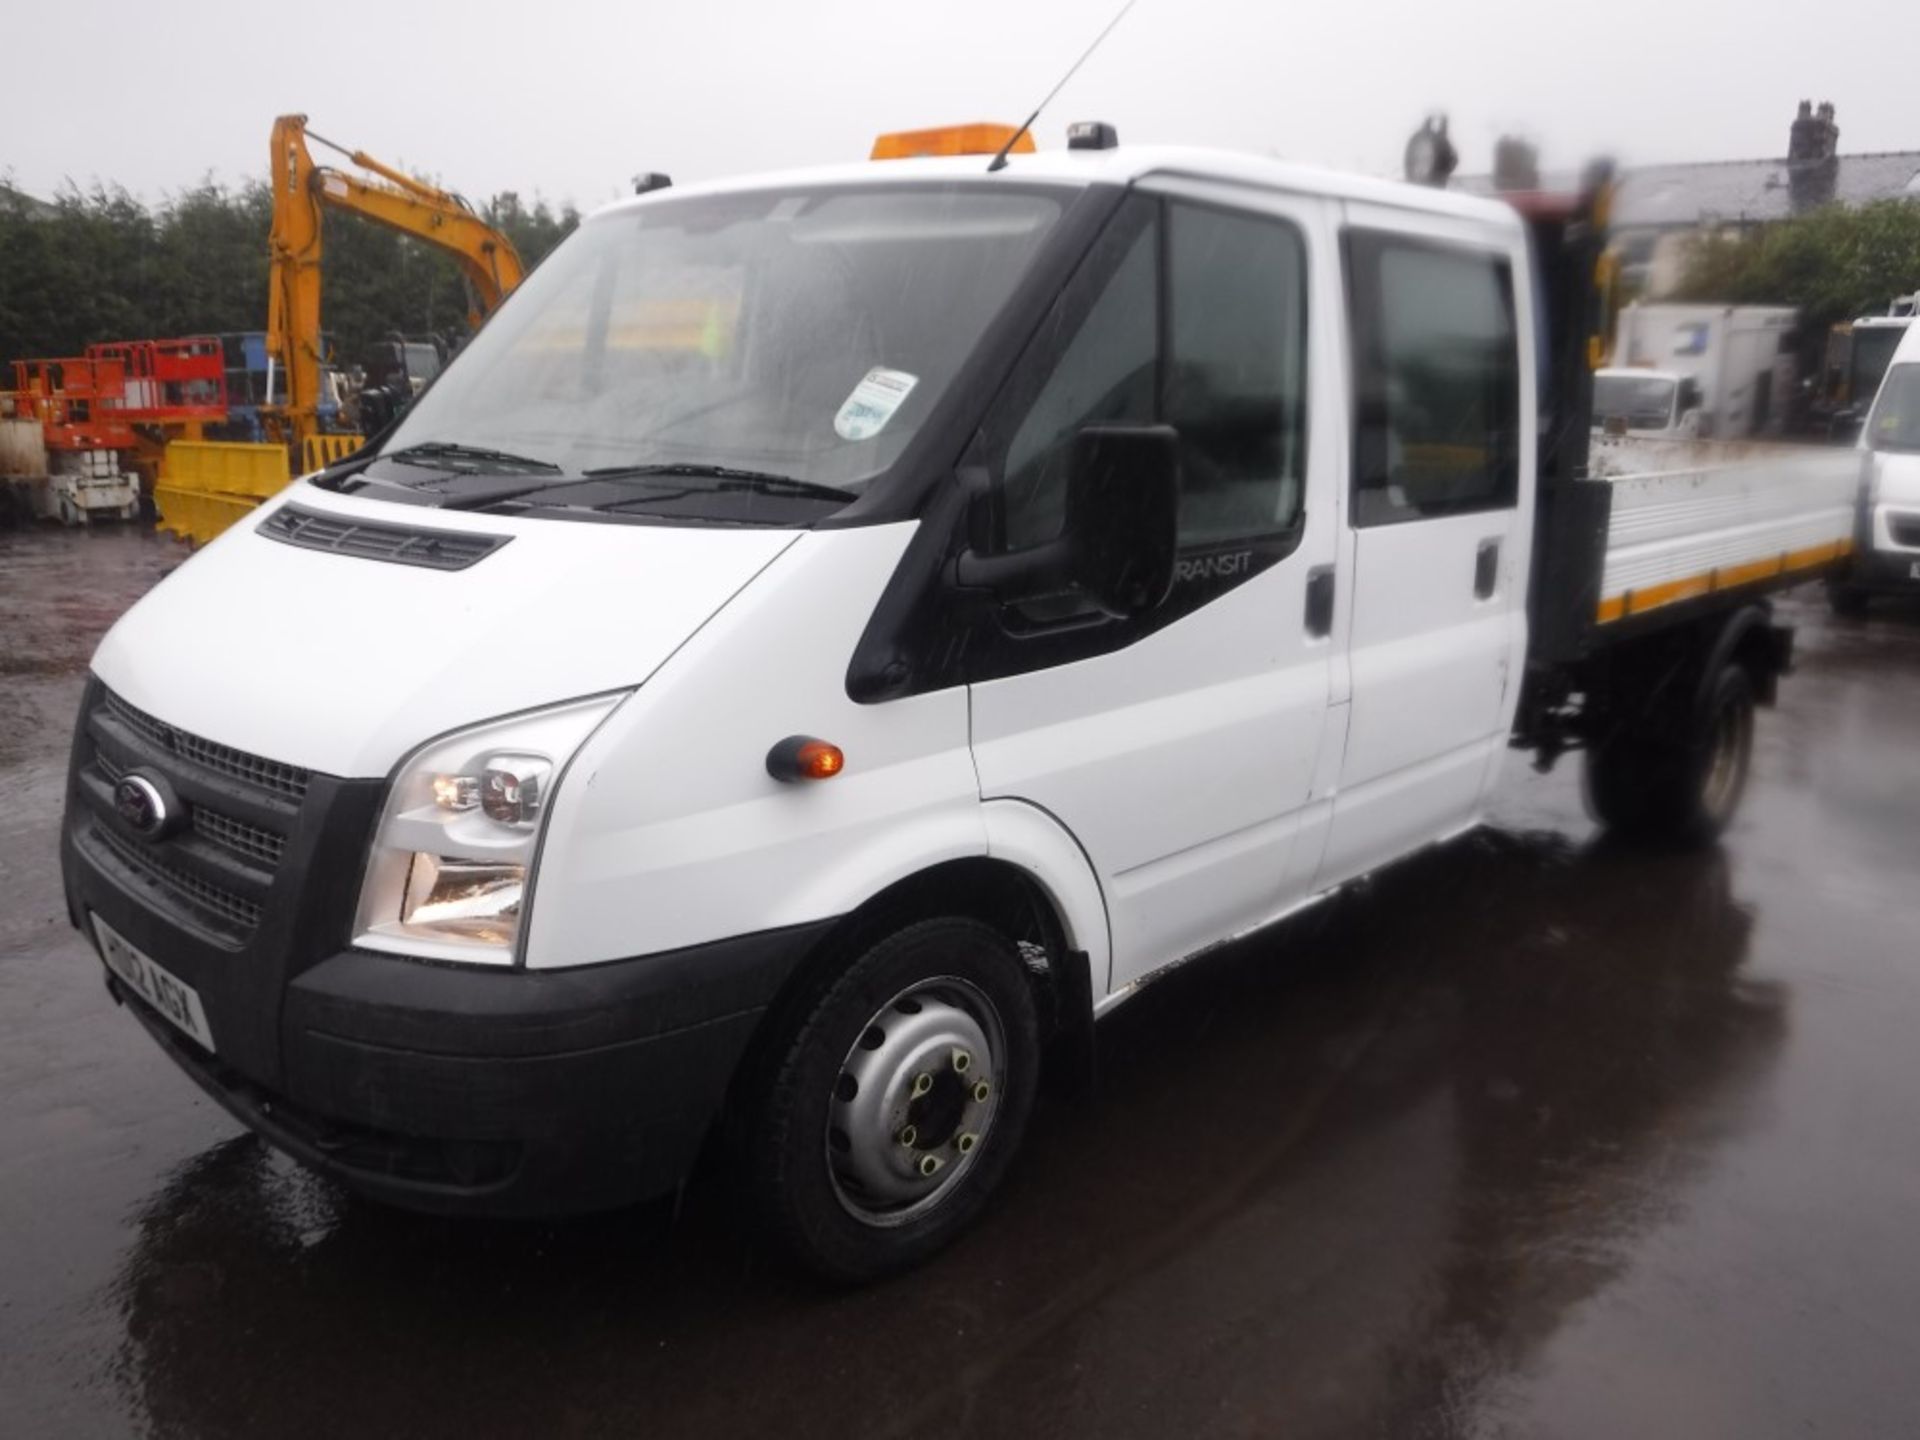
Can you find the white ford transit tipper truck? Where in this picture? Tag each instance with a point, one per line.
(832, 637)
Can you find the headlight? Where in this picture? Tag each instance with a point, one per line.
(453, 858)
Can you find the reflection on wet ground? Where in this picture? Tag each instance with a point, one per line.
(1529, 1136)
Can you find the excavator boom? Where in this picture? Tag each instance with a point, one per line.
(436, 217)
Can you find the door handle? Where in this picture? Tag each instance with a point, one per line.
(1320, 602)
(1486, 569)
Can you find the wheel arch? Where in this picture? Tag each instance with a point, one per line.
(1751, 640)
(1034, 885)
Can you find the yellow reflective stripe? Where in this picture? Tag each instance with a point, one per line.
(1669, 592)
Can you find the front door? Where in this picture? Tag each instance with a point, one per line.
(1440, 525)
(1179, 748)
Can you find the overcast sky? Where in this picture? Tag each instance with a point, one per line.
(568, 98)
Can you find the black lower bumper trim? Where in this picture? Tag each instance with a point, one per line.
(1884, 572)
(510, 1093)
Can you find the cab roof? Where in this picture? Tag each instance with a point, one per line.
(1122, 165)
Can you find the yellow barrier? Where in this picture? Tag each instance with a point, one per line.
(319, 451)
(226, 467)
(206, 485)
(198, 515)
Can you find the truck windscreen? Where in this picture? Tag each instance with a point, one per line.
(1873, 348)
(1644, 402)
(801, 334)
(1895, 424)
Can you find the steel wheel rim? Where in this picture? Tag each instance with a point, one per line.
(922, 1082)
(1726, 765)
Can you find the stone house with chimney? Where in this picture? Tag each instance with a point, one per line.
(1658, 209)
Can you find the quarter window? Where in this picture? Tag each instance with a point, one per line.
(1437, 381)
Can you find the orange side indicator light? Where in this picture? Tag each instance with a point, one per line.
(801, 757)
(980, 138)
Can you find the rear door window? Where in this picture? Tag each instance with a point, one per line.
(1436, 380)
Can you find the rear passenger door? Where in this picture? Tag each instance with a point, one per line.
(1439, 526)
(1179, 747)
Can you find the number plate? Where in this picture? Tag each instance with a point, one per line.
(178, 1001)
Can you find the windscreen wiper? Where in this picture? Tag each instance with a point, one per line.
(433, 451)
(726, 478)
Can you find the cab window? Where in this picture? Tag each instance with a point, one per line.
(1105, 376)
(1198, 320)
(1236, 372)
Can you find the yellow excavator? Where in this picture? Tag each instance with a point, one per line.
(204, 486)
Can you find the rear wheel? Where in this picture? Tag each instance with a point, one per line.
(1681, 789)
(895, 1101)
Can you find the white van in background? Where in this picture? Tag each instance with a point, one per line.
(1886, 557)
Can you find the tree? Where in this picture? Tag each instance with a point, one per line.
(533, 232)
(1832, 264)
(102, 266)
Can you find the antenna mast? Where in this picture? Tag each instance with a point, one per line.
(999, 161)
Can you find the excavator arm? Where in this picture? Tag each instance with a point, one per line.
(301, 188)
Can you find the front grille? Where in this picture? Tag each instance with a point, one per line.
(1905, 530)
(235, 911)
(270, 775)
(399, 544)
(237, 835)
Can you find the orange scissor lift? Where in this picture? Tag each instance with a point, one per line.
(74, 400)
(107, 417)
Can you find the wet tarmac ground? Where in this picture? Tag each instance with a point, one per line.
(1527, 1137)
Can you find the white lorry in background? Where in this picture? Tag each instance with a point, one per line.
(1886, 550)
(831, 637)
(1736, 355)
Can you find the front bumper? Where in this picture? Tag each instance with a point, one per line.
(1884, 572)
(440, 1087)
(511, 1093)
(1887, 549)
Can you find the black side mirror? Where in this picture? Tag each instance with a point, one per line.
(1120, 532)
(1123, 515)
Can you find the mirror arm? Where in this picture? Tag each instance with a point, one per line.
(1019, 573)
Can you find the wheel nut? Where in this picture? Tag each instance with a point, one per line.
(961, 1060)
(922, 1083)
(929, 1164)
(967, 1142)
(908, 1135)
(980, 1092)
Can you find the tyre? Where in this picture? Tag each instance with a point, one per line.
(1680, 790)
(1847, 600)
(892, 1101)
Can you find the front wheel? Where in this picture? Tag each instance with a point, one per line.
(1678, 789)
(895, 1101)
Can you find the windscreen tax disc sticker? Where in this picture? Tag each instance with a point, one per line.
(880, 392)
